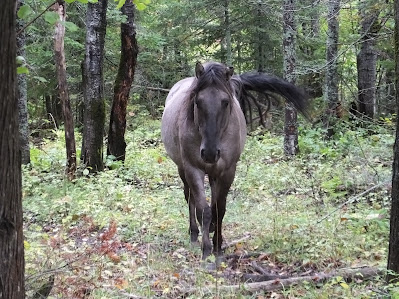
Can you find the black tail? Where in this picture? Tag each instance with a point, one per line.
(265, 84)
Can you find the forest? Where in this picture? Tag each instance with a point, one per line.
(95, 205)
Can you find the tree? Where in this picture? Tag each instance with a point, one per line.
(393, 254)
(331, 89)
(93, 90)
(289, 35)
(22, 94)
(11, 234)
(63, 90)
(367, 59)
(123, 82)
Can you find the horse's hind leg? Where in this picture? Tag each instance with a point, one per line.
(193, 229)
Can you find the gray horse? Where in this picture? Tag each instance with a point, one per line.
(204, 131)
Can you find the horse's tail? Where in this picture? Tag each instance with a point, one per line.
(266, 84)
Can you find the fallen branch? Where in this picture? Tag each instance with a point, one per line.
(348, 274)
(235, 242)
(152, 88)
(351, 200)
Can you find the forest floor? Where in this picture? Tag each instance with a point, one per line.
(123, 233)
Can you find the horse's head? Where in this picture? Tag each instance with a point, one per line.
(213, 100)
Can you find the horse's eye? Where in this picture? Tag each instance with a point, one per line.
(225, 103)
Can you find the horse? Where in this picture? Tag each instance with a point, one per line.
(204, 129)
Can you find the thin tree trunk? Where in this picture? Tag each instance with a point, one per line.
(11, 235)
(63, 90)
(94, 110)
(227, 26)
(393, 254)
(22, 96)
(331, 90)
(289, 37)
(367, 61)
(123, 83)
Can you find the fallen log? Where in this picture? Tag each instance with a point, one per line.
(348, 275)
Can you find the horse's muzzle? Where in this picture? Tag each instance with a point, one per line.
(210, 156)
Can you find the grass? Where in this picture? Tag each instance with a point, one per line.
(125, 231)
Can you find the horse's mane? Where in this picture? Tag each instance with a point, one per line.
(244, 87)
(214, 75)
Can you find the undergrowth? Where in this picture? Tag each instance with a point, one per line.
(124, 232)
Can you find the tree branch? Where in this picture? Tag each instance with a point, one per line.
(38, 16)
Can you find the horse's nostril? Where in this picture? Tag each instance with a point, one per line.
(202, 153)
(218, 153)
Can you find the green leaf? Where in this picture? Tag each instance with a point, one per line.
(70, 26)
(41, 79)
(120, 4)
(69, 1)
(24, 11)
(83, 1)
(93, 1)
(21, 60)
(140, 6)
(51, 17)
(22, 70)
(344, 285)
(146, 2)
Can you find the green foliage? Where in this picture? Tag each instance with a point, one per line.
(129, 223)
(24, 11)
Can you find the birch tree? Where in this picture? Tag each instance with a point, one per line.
(289, 37)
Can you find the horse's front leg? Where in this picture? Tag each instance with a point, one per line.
(220, 188)
(193, 229)
(195, 181)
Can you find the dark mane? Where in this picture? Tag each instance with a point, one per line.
(214, 75)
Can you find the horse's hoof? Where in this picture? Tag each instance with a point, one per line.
(212, 227)
(208, 265)
(195, 243)
(219, 260)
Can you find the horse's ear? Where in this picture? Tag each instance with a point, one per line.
(229, 72)
(199, 69)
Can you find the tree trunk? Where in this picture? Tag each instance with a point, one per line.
(289, 36)
(11, 234)
(261, 38)
(331, 89)
(123, 82)
(22, 96)
(94, 110)
(226, 44)
(393, 254)
(367, 61)
(63, 90)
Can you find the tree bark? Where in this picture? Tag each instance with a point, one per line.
(227, 33)
(123, 83)
(331, 89)
(367, 61)
(393, 254)
(22, 96)
(94, 106)
(63, 90)
(11, 234)
(289, 43)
